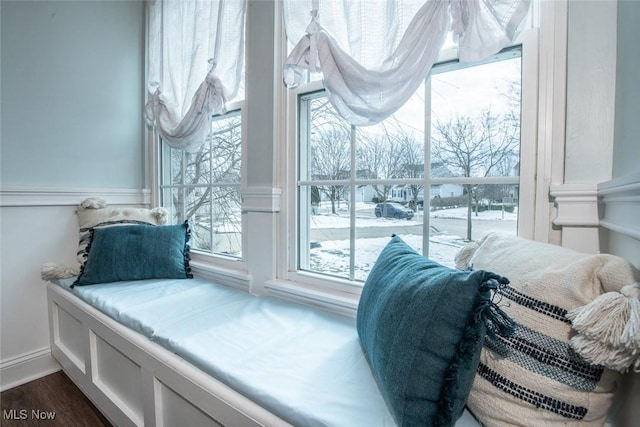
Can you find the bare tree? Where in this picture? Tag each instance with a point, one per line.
(383, 156)
(475, 147)
(200, 198)
(331, 160)
(413, 158)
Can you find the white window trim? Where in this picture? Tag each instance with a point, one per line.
(543, 97)
(225, 269)
(545, 53)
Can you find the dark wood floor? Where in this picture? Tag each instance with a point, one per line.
(50, 401)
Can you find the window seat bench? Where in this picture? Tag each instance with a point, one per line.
(192, 352)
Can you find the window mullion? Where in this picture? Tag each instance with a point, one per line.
(426, 199)
(352, 206)
(211, 235)
(183, 190)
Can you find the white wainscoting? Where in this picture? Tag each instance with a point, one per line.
(621, 205)
(38, 225)
(584, 209)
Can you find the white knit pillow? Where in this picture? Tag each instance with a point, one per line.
(94, 212)
(536, 377)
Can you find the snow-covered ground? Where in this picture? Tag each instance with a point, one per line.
(333, 255)
(364, 217)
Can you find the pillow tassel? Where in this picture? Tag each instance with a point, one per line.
(187, 250)
(609, 329)
(52, 271)
(496, 320)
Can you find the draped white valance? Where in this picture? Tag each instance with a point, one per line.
(195, 58)
(403, 37)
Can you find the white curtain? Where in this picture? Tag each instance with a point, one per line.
(196, 53)
(374, 54)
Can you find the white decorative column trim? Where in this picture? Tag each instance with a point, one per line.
(576, 205)
(621, 205)
(261, 199)
(49, 196)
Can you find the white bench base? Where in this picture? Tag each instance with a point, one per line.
(135, 382)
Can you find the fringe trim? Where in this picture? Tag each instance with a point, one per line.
(495, 321)
(87, 250)
(187, 250)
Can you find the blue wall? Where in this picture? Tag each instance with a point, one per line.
(627, 126)
(72, 94)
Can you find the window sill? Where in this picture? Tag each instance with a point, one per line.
(343, 303)
(234, 278)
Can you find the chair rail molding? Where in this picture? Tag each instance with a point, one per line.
(620, 202)
(576, 204)
(15, 196)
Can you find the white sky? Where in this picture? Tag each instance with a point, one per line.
(466, 91)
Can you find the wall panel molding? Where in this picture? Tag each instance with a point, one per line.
(620, 199)
(51, 196)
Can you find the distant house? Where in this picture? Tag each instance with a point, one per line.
(445, 190)
(404, 193)
(364, 193)
(399, 193)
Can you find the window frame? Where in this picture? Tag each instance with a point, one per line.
(317, 283)
(207, 261)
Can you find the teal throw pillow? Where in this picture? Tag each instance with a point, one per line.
(136, 252)
(422, 326)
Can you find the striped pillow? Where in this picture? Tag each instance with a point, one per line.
(535, 377)
(94, 212)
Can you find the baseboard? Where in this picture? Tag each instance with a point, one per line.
(27, 367)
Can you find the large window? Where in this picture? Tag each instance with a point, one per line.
(204, 188)
(443, 170)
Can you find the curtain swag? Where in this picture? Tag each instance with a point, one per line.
(194, 127)
(366, 96)
(189, 40)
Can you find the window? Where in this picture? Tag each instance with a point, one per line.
(356, 186)
(204, 188)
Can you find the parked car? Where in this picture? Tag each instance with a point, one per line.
(393, 210)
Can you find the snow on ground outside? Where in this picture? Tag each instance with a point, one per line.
(332, 257)
(342, 220)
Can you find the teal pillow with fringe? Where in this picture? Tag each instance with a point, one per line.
(136, 252)
(422, 326)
